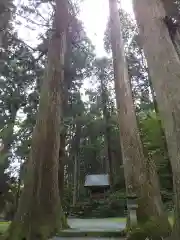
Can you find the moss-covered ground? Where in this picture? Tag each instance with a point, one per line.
(3, 226)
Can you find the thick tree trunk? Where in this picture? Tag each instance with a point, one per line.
(40, 213)
(150, 203)
(62, 151)
(164, 66)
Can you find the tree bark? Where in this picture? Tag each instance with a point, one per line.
(62, 157)
(177, 42)
(171, 8)
(17, 196)
(149, 200)
(6, 7)
(164, 66)
(40, 213)
(64, 110)
(172, 11)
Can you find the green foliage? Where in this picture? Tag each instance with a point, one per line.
(3, 227)
(114, 205)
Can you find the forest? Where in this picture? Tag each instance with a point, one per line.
(66, 114)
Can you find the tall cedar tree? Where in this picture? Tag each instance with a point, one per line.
(149, 198)
(164, 67)
(40, 213)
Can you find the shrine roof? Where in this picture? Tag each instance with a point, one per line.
(97, 180)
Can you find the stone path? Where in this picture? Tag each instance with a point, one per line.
(93, 225)
(96, 224)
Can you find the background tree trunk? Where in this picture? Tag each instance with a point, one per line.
(106, 116)
(75, 181)
(8, 138)
(6, 8)
(40, 213)
(164, 67)
(76, 162)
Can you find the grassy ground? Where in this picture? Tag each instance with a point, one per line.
(123, 220)
(3, 226)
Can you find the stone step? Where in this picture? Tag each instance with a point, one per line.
(108, 233)
(88, 238)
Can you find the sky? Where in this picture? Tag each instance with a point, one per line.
(94, 14)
